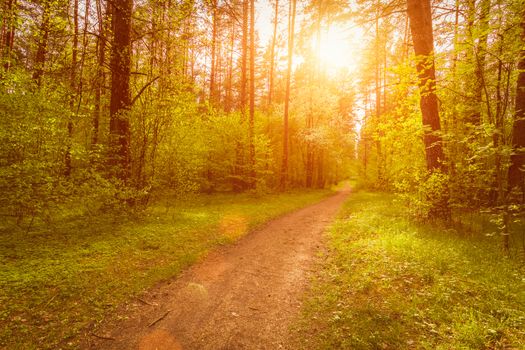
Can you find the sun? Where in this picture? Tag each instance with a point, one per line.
(339, 48)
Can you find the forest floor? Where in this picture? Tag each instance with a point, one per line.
(390, 282)
(66, 275)
(244, 296)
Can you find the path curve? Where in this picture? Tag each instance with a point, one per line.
(244, 296)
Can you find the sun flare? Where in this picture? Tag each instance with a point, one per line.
(338, 48)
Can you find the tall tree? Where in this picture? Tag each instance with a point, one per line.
(291, 32)
(73, 86)
(516, 174)
(272, 54)
(213, 68)
(420, 16)
(119, 126)
(7, 32)
(43, 37)
(253, 180)
(104, 17)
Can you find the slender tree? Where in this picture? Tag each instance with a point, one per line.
(272, 54)
(73, 86)
(291, 32)
(253, 180)
(516, 174)
(120, 103)
(41, 53)
(213, 68)
(104, 18)
(7, 32)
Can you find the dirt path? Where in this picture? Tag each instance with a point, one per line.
(243, 296)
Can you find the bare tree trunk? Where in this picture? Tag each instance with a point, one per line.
(238, 183)
(310, 157)
(320, 170)
(421, 27)
(377, 66)
(480, 53)
(104, 20)
(73, 86)
(253, 179)
(516, 178)
(377, 79)
(228, 103)
(272, 54)
(41, 52)
(291, 30)
(213, 72)
(7, 39)
(244, 58)
(119, 126)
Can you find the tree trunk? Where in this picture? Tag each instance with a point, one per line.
(284, 166)
(8, 32)
(239, 183)
(480, 53)
(213, 52)
(73, 86)
(103, 20)
(244, 58)
(228, 99)
(421, 28)
(41, 51)
(516, 179)
(119, 126)
(253, 180)
(272, 54)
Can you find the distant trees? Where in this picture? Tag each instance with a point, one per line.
(138, 100)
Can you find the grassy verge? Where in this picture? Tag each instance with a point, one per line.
(59, 278)
(389, 283)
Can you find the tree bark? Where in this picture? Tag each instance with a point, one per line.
(73, 86)
(41, 52)
(516, 178)
(244, 58)
(291, 30)
(420, 16)
(213, 72)
(253, 180)
(272, 54)
(104, 20)
(480, 53)
(119, 126)
(8, 32)
(228, 98)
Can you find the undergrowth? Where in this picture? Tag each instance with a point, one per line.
(64, 276)
(390, 283)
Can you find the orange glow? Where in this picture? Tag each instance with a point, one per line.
(340, 48)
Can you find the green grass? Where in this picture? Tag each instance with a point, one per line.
(58, 279)
(389, 283)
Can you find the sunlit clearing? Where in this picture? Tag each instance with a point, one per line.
(338, 48)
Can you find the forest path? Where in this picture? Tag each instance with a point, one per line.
(243, 296)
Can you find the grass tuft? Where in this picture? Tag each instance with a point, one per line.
(389, 283)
